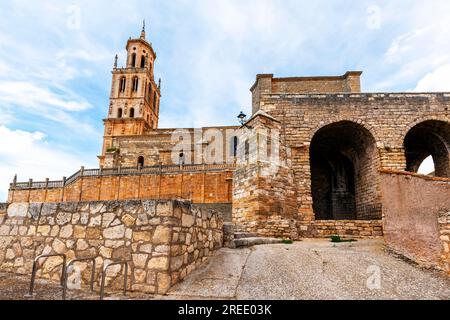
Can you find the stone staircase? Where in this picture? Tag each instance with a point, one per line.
(244, 240)
(237, 239)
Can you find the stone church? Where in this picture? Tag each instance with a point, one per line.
(334, 140)
(340, 161)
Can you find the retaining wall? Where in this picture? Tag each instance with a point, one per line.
(163, 241)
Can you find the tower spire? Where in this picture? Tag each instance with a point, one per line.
(143, 30)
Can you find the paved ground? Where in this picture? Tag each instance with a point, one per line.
(315, 269)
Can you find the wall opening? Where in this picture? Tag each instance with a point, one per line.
(344, 173)
(425, 140)
(133, 60)
(119, 113)
(132, 113)
(141, 162)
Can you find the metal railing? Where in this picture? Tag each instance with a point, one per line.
(65, 271)
(72, 262)
(105, 269)
(35, 268)
(118, 172)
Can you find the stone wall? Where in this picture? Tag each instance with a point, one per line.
(264, 198)
(162, 240)
(199, 187)
(416, 213)
(386, 117)
(343, 228)
(163, 146)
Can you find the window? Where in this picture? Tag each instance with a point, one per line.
(149, 92)
(143, 61)
(119, 113)
(133, 60)
(154, 101)
(234, 146)
(141, 162)
(122, 84)
(135, 84)
(132, 113)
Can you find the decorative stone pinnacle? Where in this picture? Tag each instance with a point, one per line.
(143, 31)
(115, 61)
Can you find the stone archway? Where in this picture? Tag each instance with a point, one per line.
(429, 138)
(344, 173)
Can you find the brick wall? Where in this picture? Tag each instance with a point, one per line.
(163, 241)
(200, 187)
(416, 213)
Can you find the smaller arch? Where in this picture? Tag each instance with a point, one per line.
(140, 162)
(119, 113)
(426, 139)
(132, 113)
(143, 61)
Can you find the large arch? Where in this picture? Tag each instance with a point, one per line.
(429, 138)
(344, 165)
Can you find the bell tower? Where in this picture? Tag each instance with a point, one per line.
(135, 95)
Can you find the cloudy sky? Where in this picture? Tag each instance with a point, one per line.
(56, 57)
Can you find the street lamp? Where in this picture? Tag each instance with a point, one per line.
(243, 119)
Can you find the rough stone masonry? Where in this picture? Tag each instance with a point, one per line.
(163, 241)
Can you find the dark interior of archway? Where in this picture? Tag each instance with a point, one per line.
(344, 176)
(425, 139)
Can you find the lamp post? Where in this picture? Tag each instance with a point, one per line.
(243, 120)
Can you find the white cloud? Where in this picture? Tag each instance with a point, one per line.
(30, 95)
(413, 55)
(29, 155)
(437, 81)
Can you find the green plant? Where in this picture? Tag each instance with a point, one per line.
(338, 239)
(112, 150)
(287, 241)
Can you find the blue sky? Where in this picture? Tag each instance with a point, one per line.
(56, 57)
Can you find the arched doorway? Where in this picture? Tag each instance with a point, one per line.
(344, 173)
(429, 138)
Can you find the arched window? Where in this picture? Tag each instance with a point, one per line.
(143, 61)
(133, 60)
(122, 84)
(234, 146)
(154, 101)
(119, 113)
(135, 84)
(132, 113)
(140, 162)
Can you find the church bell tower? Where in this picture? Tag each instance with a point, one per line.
(135, 95)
